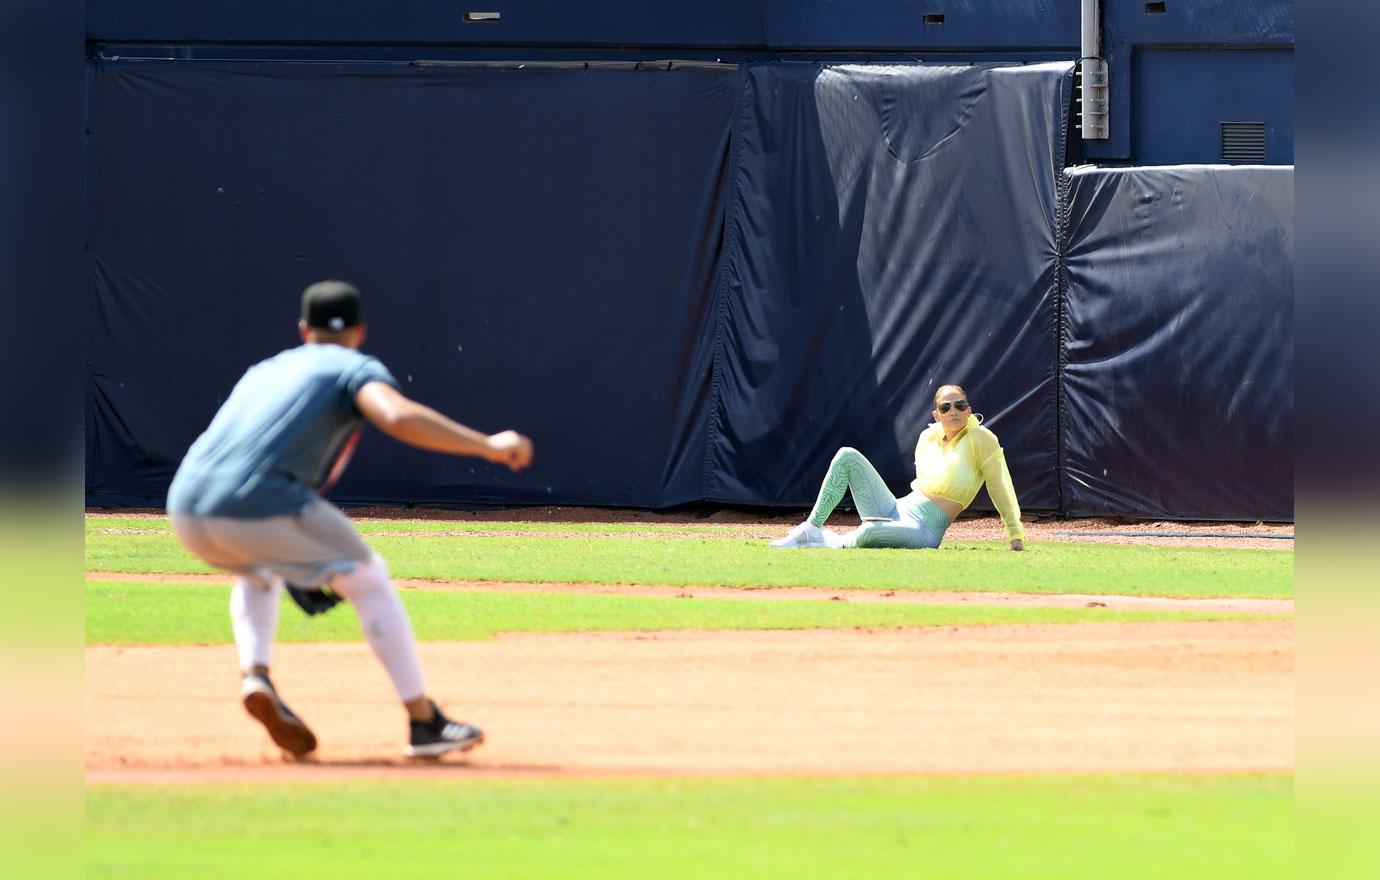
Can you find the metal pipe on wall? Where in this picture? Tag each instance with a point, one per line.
(1092, 75)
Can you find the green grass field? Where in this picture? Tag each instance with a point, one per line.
(1151, 827)
(1093, 825)
(134, 613)
(145, 546)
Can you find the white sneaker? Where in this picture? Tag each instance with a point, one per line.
(807, 534)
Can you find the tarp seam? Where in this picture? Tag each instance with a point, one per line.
(1061, 242)
(656, 65)
(1060, 340)
(732, 234)
(88, 403)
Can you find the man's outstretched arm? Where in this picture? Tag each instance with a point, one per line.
(418, 425)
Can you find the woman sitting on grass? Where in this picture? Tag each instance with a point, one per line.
(953, 458)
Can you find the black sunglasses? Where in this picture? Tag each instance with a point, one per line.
(960, 405)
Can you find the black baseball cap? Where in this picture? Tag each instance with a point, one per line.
(332, 305)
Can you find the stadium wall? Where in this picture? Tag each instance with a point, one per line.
(688, 282)
(1178, 69)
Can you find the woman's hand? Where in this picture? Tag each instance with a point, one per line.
(1017, 545)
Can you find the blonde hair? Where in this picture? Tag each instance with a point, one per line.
(940, 390)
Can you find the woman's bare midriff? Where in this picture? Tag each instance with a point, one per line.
(950, 508)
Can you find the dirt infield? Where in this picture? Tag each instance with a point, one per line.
(1271, 607)
(1190, 697)
(1162, 697)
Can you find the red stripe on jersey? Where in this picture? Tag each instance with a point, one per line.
(342, 458)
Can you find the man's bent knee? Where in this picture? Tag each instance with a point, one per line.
(367, 576)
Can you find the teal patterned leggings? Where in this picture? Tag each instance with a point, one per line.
(912, 522)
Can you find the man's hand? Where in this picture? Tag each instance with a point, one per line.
(1016, 544)
(510, 448)
(421, 426)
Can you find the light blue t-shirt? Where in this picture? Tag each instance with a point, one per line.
(288, 426)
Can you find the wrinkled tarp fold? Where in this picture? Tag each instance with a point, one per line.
(892, 229)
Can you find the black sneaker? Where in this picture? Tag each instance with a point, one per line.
(440, 735)
(287, 730)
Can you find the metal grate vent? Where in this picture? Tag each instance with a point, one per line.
(1243, 142)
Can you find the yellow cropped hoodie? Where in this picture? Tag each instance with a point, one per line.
(957, 469)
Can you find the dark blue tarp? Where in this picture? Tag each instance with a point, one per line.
(537, 249)
(892, 229)
(690, 284)
(542, 249)
(1178, 386)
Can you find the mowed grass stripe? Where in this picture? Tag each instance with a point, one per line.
(964, 566)
(137, 613)
(118, 525)
(1018, 828)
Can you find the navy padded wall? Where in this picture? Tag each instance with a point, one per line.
(1178, 396)
(428, 22)
(691, 284)
(537, 250)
